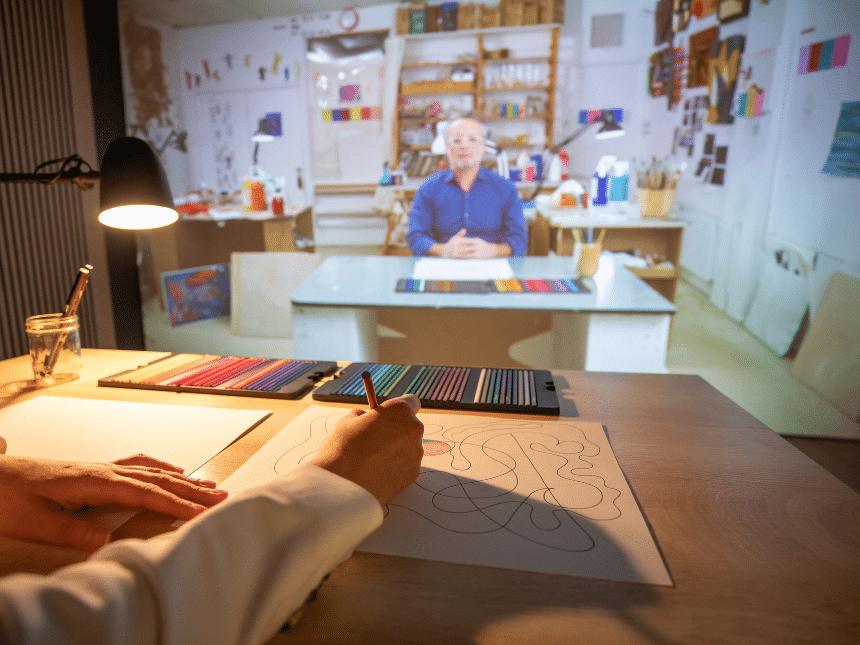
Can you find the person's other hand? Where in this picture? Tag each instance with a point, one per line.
(379, 449)
(480, 249)
(458, 246)
(34, 493)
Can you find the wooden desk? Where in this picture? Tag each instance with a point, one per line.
(624, 233)
(762, 543)
(196, 241)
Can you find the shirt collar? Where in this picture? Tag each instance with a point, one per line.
(451, 179)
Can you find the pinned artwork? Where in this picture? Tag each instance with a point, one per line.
(372, 113)
(197, 294)
(704, 8)
(660, 72)
(350, 93)
(844, 157)
(679, 68)
(828, 54)
(730, 10)
(590, 116)
(725, 63)
(681, 15)
(750, 101)
(699, 56)
(663, 22)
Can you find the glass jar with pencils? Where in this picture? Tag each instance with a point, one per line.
(55, 348)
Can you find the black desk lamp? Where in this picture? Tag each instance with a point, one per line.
(609, 129)
(134, 192)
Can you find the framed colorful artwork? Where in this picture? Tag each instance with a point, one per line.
(201, 293)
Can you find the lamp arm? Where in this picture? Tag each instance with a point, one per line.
(73, 169)
(84, 180)
(554, 151)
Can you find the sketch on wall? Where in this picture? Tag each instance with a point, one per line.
(152, 110)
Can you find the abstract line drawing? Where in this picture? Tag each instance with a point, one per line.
(515, 493)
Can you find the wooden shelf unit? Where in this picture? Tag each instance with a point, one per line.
(477, 88)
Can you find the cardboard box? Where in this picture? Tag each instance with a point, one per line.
(550, 11)
(513, 13)
(402, 20)
(490, 17)
(468, 16)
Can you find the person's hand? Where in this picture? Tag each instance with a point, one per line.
(458, 246)
(479, 249)
(473, 248)
(34, 493)
(379, 449)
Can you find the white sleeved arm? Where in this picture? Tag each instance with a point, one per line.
(234, 574)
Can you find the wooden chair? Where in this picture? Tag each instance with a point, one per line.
(397, 209)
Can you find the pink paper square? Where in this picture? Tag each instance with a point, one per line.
(840, 51)
(804, 60)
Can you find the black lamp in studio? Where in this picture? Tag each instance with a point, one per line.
(134, 192)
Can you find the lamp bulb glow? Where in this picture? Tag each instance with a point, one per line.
(138, 217)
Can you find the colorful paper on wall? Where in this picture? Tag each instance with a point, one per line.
(373, 113)
(590, 116)
(750, 102)
(828, 54)
(844, 157)
(349, 93)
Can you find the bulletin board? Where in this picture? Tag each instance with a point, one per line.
(810, 208)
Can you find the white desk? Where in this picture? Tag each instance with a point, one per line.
(621, 326)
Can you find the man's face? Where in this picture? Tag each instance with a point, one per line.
(464, 144)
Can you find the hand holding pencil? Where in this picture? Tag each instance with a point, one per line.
(379, 449)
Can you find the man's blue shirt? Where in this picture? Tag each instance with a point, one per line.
(491, 209)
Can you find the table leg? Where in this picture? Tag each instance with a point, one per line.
(611, 342)
(335, 333)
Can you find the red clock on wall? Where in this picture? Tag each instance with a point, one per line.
(348, 19)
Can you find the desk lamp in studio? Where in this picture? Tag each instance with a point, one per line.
(134, 192)
(609, 129)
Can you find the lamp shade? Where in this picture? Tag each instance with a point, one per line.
(134, 189)
(609, 128)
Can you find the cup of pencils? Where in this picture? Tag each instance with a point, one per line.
(55, 339)
(589, 252)
(55, 348)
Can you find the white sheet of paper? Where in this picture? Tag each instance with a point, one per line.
(69, 429)
(457, 269)
(545, 496)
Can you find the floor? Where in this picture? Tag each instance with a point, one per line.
(704, 341)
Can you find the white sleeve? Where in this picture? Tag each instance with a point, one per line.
(234, 574)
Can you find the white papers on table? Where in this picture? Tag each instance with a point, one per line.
(545, 496)
(457, 269)
(69, 429)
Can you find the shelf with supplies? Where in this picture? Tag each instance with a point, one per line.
(505, 74)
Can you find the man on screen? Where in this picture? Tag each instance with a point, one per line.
(466, 210)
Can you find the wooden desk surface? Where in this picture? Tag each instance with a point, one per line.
(762, 543)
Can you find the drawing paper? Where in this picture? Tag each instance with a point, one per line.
(546, 496)
(69, 429)
(455, 269)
